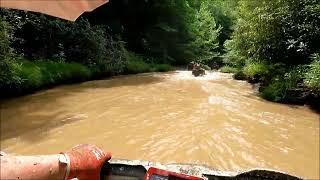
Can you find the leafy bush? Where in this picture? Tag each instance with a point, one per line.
(84, 43)
(161, 67)
(206, 67)
(255, 71)
(233, 56)
(287, 87)
(282, 33)
(8, 67)
(228, 69)
(312, 78)
(135, 67)
(31, 76)
(57, 73)
(43, 37)
(239, 75)
(277, 31)
(4, 40)
(275, 91)
(135, 64)
(8, 74)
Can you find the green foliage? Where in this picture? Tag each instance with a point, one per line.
(4, 40)
(34, 75)
(283, 34)
(43, 37)
(208, 31)
(8, 74)
(169, 34)
(30, 74)
(286, 87)
(114, 61)
(239, 75)
(8, 67)
(136, 64)
(57, 73)
(206, 67)
(280, 31)
(255, 70)
(232, 57)
(174, 32)
(85, 44)
(275, 91)
(224, 14)
(161, 67)
(312, 79)
(228, 69)
(262, 41)
(206, 34)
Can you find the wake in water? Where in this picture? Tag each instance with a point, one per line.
(210, 75)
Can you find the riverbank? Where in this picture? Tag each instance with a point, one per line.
(23, 77)
(281, 83)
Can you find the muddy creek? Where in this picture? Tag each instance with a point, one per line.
(167, 117)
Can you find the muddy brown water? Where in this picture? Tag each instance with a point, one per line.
(170, 118)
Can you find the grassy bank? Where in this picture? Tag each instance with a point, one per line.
(228, 69)
(281, 83)
(24, 76)
(62, 53)
(136, 64)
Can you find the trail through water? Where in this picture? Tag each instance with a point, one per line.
(167, 117)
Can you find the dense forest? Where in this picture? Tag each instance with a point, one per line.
(276, 44)
(273, 43)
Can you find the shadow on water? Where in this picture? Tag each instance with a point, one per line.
(116, 81)
(315, 106)
(33, 126)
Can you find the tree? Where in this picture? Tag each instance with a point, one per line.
(206, 33)
(278, 31)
